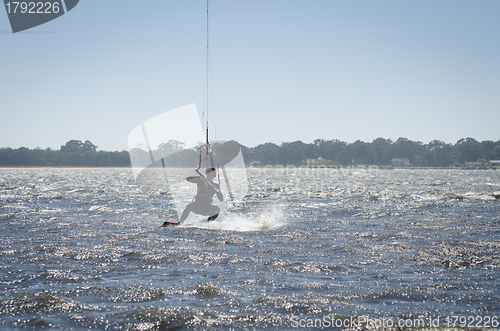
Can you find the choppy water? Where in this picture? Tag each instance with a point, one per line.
(82, 248)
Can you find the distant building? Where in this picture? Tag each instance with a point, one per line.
(314, 162)
(495, 162)
(473, 164)
(400, 162)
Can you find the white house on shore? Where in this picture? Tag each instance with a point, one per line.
(315, 162)
(400, 162)
(495, 162)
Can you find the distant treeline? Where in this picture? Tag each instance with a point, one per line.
(334, 152)
(74, 154)
(379, 152)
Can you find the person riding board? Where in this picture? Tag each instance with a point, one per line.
(202, 203)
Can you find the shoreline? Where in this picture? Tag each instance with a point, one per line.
(269, 167)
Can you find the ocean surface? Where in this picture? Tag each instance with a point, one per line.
(352, 248)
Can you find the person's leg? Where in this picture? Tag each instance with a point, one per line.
(186, 212)
(214, 212)
(201, 209)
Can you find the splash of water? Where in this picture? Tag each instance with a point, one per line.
(272, 218)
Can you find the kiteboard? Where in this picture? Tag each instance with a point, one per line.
(167, 223)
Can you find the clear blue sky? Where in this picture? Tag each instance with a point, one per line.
(282, 70)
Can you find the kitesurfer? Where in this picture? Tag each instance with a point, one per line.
(202, 203)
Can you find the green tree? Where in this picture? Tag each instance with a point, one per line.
(496, 152)
(483, 161)
(469, 149)
(292, 153)
(72, 146)
(87, 146)
(329, 149)
(381, 148)
(267, 153)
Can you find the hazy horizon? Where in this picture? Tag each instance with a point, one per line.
(283, 142)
